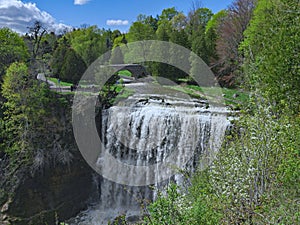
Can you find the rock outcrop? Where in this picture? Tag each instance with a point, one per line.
(53, 191)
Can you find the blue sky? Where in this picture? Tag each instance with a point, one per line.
(92, 12)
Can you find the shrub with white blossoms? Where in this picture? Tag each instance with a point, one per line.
(245, 168)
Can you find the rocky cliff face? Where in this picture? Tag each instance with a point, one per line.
(56, 194)
(54, 185)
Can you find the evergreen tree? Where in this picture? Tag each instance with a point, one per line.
(73, 67)
(58, 58)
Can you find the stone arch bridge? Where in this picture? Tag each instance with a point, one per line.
(136, 70)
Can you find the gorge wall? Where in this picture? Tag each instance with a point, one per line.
(55, 184)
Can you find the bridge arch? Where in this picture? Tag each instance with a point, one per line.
(136, 70)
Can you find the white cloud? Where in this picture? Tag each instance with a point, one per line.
(117, 22)
(80, 2)
(19, 16)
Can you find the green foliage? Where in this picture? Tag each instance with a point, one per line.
(23, 109)
(12, 49)
(164, 30)
(148, 20)
(140, 31)
(163, 34)
(215, 20)
(111, 89)
(179, 37)
(198, 22)
(58, 58)
(49, 42)
(211, 36)
(167, 15)
(67, 65)
(89, 42)
(73, 67)
(272, 47)
(255, 177)
(168, 209)
(198, 18)
(203, 209)
(170, 28)
(143, 29)
(194, 207)
(179, 22)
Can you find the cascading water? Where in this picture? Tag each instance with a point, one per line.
(146, 130)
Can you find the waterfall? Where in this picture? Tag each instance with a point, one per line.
(145, 132)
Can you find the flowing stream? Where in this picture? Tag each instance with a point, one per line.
(154, 126)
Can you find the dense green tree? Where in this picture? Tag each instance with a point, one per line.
(90, 42)
(179, 22)
(199, 44)
(58, 58)
(211, 36)
(198, 47)
(168, 14)
(163, 34)
(26, 101)
(198, 20)
(153, 22)
(73, 67)
(179, 37)
(12, 49)
(198, 17)
(163, 31)
(140, 31)
(271, 48)
(66, 63)
(14, 90)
